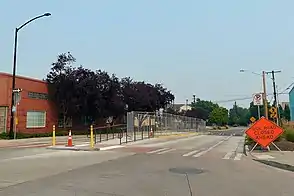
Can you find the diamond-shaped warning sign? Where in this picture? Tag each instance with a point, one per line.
(264, 132)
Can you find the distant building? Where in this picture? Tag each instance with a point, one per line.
(181, 107)
(291, 103)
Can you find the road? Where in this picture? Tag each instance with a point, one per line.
(211, 164)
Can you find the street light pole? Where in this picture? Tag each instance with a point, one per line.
(14, 70)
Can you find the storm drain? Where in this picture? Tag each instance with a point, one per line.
(186, 170)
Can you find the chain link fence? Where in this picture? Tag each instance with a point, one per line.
(141, 125)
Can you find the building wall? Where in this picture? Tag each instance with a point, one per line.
(27, 103)
(291, 104)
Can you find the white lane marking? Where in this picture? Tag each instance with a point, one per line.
(111, 147)
(238, 157)
(212, 147)
(264, 156)
(173, 141)
(200, 153)
(158, 150)
(190, 153)
(162, 152)
(228, 155)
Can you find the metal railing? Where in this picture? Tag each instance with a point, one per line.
(161, 123)
(105, 133)
(145, 125)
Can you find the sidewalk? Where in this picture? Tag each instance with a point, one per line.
(282, 160)
(41, 141)
(82, 140)
(115, 143)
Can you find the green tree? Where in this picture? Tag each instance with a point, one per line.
(203, 108)
(219, 116)
(238, 115)
(253, 110)
(281, 112)
(287, 113)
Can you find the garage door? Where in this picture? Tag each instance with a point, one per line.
(3, 118)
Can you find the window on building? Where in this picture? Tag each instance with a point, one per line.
(35, 95)
(36, 119)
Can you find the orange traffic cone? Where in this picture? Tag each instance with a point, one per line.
(69, 140)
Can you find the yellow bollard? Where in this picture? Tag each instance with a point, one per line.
(91, 137)
(53, 136)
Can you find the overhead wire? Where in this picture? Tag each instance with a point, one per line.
(281, 92)
(244, 98)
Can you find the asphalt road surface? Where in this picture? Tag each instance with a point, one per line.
(236, 131)
(211, 165)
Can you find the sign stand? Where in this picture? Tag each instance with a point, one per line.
(267, 147)
(276, 146)
(257, 101)
(254, 147)
(264, 132)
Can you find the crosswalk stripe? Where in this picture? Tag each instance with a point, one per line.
(238, 157)
(200, 154)
(190, 153)
(162, 152)
(158, 150)
(211, 148)
(228, 155)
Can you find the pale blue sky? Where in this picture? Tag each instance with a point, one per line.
(191, 46)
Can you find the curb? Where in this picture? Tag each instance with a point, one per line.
(275, 164)
(72, 148)
(246, 150)
(177, 135)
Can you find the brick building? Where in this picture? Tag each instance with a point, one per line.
(35, 113)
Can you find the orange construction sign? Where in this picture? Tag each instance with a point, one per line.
(264, 132)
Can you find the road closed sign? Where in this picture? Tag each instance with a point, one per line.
(264, 132)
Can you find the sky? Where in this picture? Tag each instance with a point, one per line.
(193, 47)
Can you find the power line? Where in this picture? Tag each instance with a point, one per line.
(243, 98)
(282, 92)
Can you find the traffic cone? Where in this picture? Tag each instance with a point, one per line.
(69, 140)
(151, 133)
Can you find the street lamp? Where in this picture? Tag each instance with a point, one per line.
(14, 67)
(244, 70)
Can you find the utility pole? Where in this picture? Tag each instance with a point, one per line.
(278, 109)
(186, 104)
(194, 98)
(274, 87)
(264, 95)
(275, 91)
